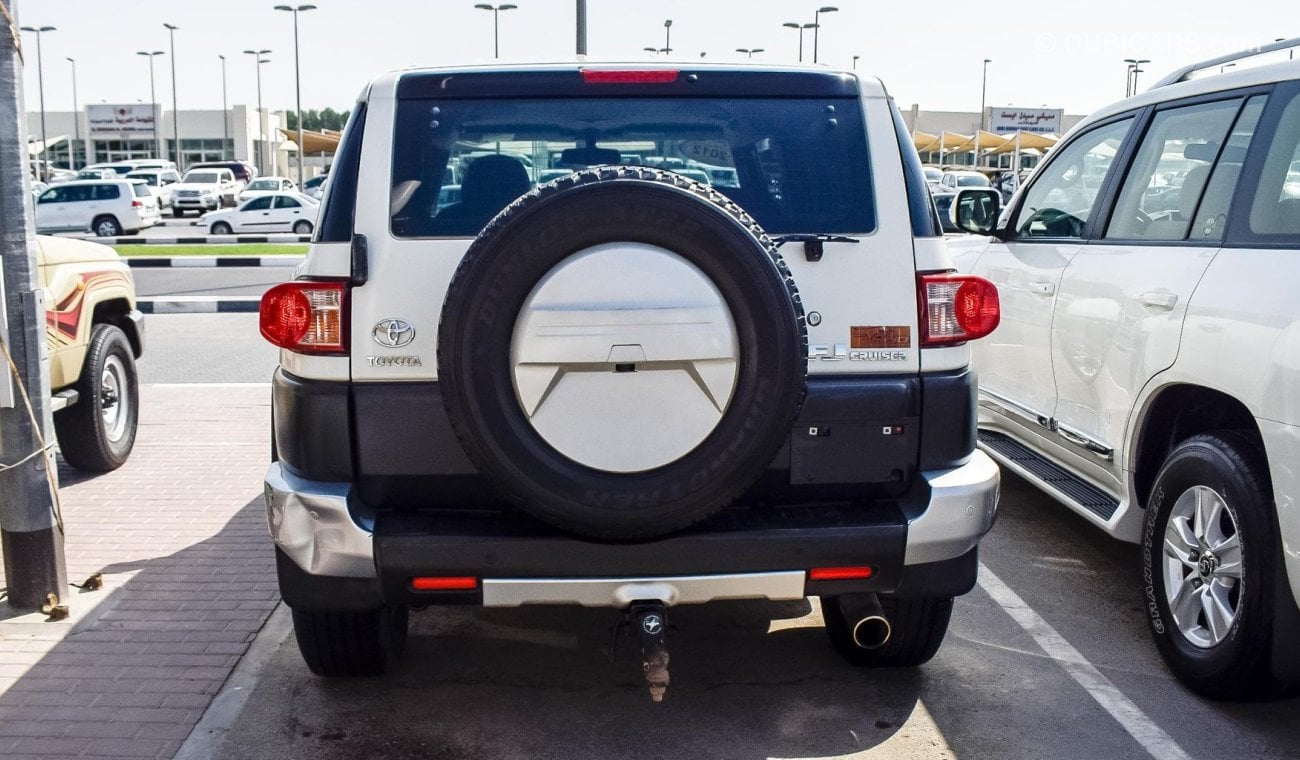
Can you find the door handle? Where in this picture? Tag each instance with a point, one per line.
(1157, 299)
(1043, 288)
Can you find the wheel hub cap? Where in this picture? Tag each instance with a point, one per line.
(1202, 566)
(624, 357)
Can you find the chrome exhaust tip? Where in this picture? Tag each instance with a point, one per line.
(868, 624)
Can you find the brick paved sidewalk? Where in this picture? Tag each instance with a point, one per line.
(180, 535)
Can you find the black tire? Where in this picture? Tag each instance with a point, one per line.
(220, 228)
(106, 226)
(917, 625)
(302, 227)
(349, 644)
(91, 434)
(1237, 667)
(624, 204)
(178, 213)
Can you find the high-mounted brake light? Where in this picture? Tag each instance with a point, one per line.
(956, 308)
(306, 317)
(628, 76)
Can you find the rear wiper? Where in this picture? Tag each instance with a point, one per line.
(813, 243)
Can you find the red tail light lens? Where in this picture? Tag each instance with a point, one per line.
(444, 583)
(839, 573)
(627, 76)
(306, 317)
(137, 204)
(956, 308)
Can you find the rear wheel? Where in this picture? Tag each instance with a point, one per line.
(1210, 561)
(344, 644)
(98, 432)
(917, 625)
(106, 226)
(177, 213)
(221, 228)
(302, 227)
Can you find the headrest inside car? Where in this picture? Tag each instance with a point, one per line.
(1233, 154)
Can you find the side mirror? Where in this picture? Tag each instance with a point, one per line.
(976, 210)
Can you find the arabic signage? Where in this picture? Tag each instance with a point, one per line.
(1010, 119)
(129, 120)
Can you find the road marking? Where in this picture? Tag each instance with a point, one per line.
(207, 385)
(1152, 738)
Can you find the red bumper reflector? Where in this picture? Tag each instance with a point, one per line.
(839, 573)
(445, 583)
(626, 76)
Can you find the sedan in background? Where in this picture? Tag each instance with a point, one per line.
(953, 181)
(266, 186)
(273, 212)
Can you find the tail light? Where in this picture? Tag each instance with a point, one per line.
(956, 308)
(137, 203)
(306, 317)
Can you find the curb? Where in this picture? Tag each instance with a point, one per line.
(212, 261)
(199, 305)
(283, 237)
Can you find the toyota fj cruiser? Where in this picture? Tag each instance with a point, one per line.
(624, 387)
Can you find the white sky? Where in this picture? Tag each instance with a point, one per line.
(1045, 52)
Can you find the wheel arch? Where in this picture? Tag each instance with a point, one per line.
(115, 311)
(1175, 413)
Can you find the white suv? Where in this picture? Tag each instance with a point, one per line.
(623, 387)
(1146, 372)
(105, 207)
(204, 189)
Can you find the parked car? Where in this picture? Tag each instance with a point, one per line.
(243, 172)
(951, 181)
(267, 185)
(161, 183)
(639, 412)
(932, 176)
(106, 207)
(203, 190)
(104, 173)
(271, 212)
(1145, 375)
(315, 186)
(95, 334)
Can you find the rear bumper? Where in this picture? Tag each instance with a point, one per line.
(327, 560)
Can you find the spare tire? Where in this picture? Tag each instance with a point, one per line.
(622, 352)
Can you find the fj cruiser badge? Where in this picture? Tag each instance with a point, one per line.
(393, 333)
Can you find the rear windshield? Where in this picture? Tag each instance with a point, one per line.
(150, 179)
(796, 165)
(140, 189)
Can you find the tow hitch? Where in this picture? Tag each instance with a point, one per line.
(650, 621)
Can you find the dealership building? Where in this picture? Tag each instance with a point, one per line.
(105, 133)
(955, 132)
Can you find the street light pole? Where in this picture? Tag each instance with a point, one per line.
(496, 24)
(297, 77)
(153, 101)
(855, 62)
(40, 80)
(800, 27)
(668, 36)
(984, 84)
(581, 13)
(261, 115)
(176, 114)
(225, 110)
(76, 119)
(1137, 69)
(749, 51)
(817, 25)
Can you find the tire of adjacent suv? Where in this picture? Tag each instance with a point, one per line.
(1210, 540)
(344, 644)
(98, 432)
(621, 205)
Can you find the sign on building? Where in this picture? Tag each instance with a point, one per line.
(128, 120)
(1011, 119)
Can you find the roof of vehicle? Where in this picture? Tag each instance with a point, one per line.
(122, 178)
(868, 86)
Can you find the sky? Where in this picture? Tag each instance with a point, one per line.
(1050, 53)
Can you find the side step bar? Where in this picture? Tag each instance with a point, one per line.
(1025, 461)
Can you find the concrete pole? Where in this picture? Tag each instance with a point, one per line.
(225, 111)
(31, 536)
(582, 27)
(176, 114)
(76, 120)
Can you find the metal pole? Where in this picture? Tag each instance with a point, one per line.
(668, 37)
(297, 92)
(582, 27)
(176, 129)
(76, 120)
(39, 31)
(31, 534)
(153, 102)
(225, 111)
(984, 83)
(817, 25)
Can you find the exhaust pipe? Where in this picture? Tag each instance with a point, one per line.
(866, 619)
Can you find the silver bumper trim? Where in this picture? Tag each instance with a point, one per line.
(963, 504)
(620, 592)
(309, 521)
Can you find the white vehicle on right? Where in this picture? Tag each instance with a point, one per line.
(271, 212)
(1146, 372)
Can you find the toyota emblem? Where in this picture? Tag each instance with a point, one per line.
(393, 333)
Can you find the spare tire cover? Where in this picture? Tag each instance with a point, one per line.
(622, 352)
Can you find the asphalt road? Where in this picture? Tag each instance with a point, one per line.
(1048, 657)
(151, 282)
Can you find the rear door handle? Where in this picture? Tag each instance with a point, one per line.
(1042, 288)
(1158, 299)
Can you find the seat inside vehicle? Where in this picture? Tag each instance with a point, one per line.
(491, 182)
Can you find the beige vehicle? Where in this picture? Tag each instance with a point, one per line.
(95, 333)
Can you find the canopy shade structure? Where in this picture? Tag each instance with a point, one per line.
(313, 142)
(37, 147)
(924, 141)
(1025, 141)
(986, 140)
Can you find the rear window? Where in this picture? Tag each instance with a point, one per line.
(150, 179)
(795, 164)
(106, 192)
(202, 178)
(140, 189)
